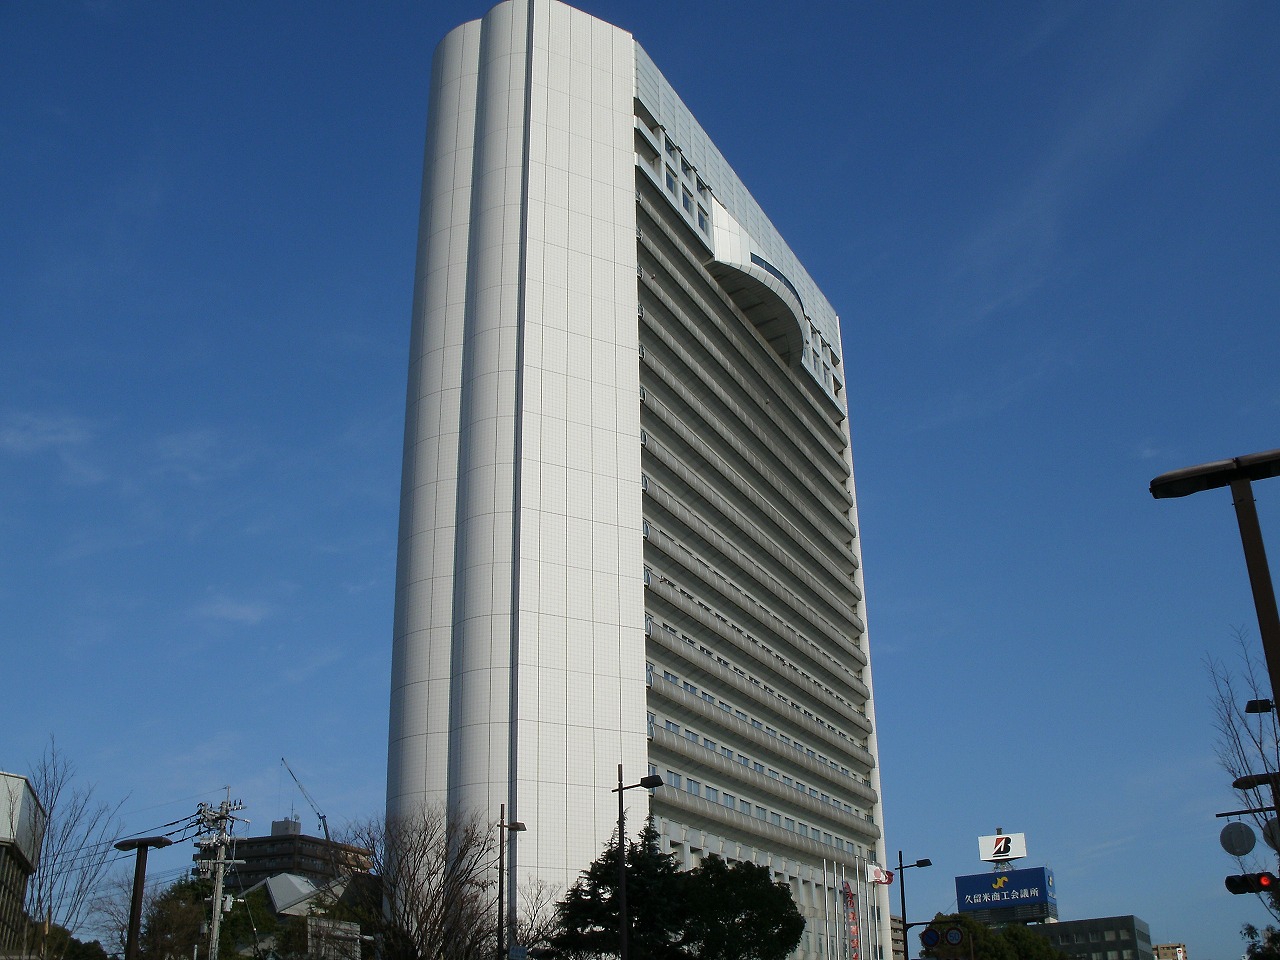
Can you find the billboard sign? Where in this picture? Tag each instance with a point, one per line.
(1002, 847)
(1006, 888)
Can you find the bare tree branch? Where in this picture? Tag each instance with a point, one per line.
(536, 918)
(434, 900)
(1247, 743)
(74, 852)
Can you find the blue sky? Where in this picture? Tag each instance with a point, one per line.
(1050, 230)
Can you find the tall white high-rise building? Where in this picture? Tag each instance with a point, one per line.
(628, 531)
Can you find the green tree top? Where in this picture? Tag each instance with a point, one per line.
(718, 911)
(1012, 942)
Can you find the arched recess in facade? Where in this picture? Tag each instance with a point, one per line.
(765, 300)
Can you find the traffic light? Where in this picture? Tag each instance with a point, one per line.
(1253, 883)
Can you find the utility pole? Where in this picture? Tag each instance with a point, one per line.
(216, 824)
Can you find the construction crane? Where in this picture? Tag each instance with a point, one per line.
(324, 821)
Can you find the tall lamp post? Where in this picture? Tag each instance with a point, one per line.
(902, 899)
(142, 845)
(1238, 473)
(504, 828)
(648, 783)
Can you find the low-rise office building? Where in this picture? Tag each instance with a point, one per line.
(22, 820)
(289, 850)
(1100, 938)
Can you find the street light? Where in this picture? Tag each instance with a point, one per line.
(1238, 473)
(142, 845)
(648, 783)
(515, 826)
(902, 898)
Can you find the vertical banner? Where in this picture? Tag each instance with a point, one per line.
(851, 913)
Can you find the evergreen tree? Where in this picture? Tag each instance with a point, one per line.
(717, 911)
(656, 911)
(738, 912)
(1012, 942)
(1261, 944)
(1029, 945)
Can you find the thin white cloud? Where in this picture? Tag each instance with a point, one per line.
(991, 396)
(318, 660)
(228, 610)
(1135, 79)
(29, 435)
(23, 433)
(1149, 451)
(196, 455)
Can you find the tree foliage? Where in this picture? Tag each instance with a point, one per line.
(1030, 945)
(740, 913)
(174, 924)
(61, 943)
(717, 911)
(1261, 944)
(588, 916)
(1012, 942)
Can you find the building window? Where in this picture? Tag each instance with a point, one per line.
(671, 181)
(713, 794)
(693, 786)
(703, 223)
(687, 199)
(673, 779)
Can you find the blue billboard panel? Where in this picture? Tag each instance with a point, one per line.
(1006, 888)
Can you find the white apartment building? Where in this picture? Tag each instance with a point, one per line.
(628, 527)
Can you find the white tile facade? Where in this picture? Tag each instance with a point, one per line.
(565, 546)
